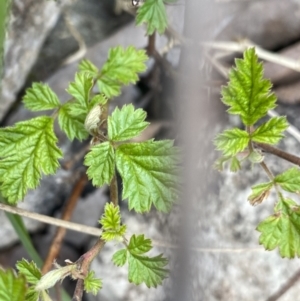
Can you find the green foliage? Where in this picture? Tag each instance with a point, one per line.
(247, 93)
(153, 12)
(29, 270)
(12, 287)
(282, 229)
(121, 68)
(126, 123)
(28, 149)
(40, 98)
(92, 284)
(101, 163)
(141, 268)
(259, 193)
(148, 172)
(289, 180)
(87, 66)
(111, 223)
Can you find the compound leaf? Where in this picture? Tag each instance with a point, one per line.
(29, 270)
(32, 294)
(92, 284)
(271, 131)
(120, 257)
(139, 244)
(231, 142)
(121, 68)
(148, 172)
(126, 123)
(28, 149)
(72, 124)
(40, 98)
(289, 180)
(282, 229)
(247, 93)
(101, 163)
(87, 66)
(235, 164)
(148, 270)
(111, 223)
(153, 12)
(12, 287)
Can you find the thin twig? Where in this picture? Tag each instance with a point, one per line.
(113, 188)
(51, 220)
(285, 287)
(66, 216)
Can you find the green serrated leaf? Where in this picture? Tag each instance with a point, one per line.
(28, 149)
(92, 284)
(270, 132)
(148, 171)
(72, 125)
(126, 123)
(235, 164)
(220, 162)
(12, 287)
(121, 68)
(139, 244)
(29, 270)
(259, 193)
(40, 98)
(153, 12)
(32, 295)
(81, 87)
(148, 270)
(231, 142)
(87, 66)
(282, 229)
(247, 93)
(120, 257)
(111, 223)
(97, 99)
(289, 180)
(101, 163)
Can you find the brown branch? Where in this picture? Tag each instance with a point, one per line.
(279, 153)
(84, 263)
(66, 216)
(151, 45)
(113, 188)
(285, 287)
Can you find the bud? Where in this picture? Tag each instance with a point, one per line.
(92, 119)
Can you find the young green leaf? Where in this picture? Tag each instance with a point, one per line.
(148, 270)
(153, 12)
(231, 142)
(29, 270)
(220, 162)
(97, 99)
(101, 163)
(247, 93)
(139, 244)
(81, 87)
(121, 68)
(92, 284)
(120, 257)
(28, 149)
(32, 295)
(72, 125)
(148, 171)
(87, 66)
(12, 287)
(40, 98)
(289, 180)
(270, 132)
(111, 222)
(259, 193)
(126, 123)
(282, 229)
(235, 164)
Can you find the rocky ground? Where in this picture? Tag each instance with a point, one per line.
(229, 262)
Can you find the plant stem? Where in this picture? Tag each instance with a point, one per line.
(113, 187)
(267, 170)
(84, 263)
(279, 153)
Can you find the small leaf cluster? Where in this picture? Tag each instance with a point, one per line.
(147, 169)
(29, 148)
(141, 268)
(248, 95)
